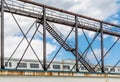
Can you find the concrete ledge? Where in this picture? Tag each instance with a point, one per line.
(55, 73)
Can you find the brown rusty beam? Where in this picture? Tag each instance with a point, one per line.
(55, 74)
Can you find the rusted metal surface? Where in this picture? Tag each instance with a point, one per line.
(53, 73)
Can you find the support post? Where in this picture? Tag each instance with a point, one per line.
(44, 39)
(2, 35)
(102, 48)
(76, 43)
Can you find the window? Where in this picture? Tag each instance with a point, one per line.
(112, 70)
(118, 70)
(82, 68)
(106, 69)
(47, 66)
(32, 65)
(22, 65)
(6, 64)
(10, 64)
(56, 66)
(99, 69)
(66, 67)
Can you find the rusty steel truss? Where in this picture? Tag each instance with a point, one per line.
(45, 14)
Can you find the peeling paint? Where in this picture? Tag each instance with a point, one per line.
(48, 73)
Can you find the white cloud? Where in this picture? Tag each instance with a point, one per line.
(13, 36)
(101, 9)
(65, 30)
(116, 16)
(115, 39)
(97, 52)
(90, 34)
(114, 21)
(98, 9)
(11, 28)
(95, 8)
(11, 43)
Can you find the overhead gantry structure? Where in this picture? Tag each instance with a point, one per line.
(45, 14)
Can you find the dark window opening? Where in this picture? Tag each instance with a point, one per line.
(6, 64)
(82, 68)
(66, 67)
(56, 66)
(32, 65)
(10, 64)
(106, 69)
(22, 65)
(112, 70)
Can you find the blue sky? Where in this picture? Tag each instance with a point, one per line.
(92, 8)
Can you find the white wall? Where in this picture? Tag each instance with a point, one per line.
(55, 79)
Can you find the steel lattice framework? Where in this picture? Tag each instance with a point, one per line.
(45, 15)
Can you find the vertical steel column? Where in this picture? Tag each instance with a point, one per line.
(102, 48)
(2, 35)
(76, 43)
(44, 38)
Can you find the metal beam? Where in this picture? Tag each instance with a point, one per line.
(76, 43)
(102, 48)
(44, 39)
(2, 34)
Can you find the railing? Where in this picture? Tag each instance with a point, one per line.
(69, 43)
(23, 6)
(51, 13)
(67, 47)
(58, 15)
(58, 32)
